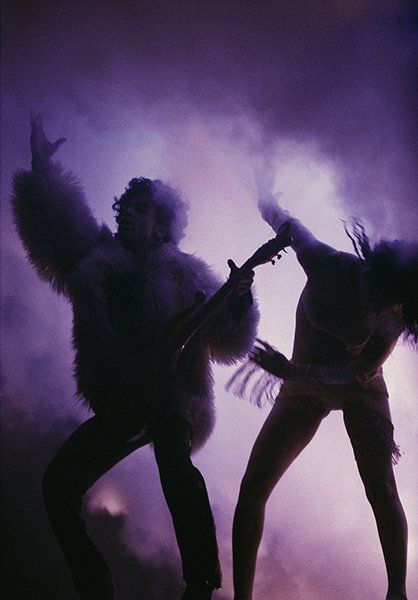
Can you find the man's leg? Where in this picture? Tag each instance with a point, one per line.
(289, 427)
(371, 435)
(86, 455)
(185, 492)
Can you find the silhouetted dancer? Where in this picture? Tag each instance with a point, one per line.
(124, 289)
(349, 316)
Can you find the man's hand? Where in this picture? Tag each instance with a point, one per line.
(42, 149)
(266, 357)
(242, 282)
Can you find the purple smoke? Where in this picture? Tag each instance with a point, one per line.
(199, 93)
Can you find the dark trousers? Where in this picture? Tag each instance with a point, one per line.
(89, 453)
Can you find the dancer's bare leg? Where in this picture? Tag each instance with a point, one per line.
(287, 430)
(376, 471)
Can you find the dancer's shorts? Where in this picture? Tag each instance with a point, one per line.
(365, 408)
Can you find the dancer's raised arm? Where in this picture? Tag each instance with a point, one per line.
(308, 248)
(52, 216)
(361, 369)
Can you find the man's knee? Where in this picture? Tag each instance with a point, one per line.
(50, 483)
(57, 487)
(172, 447)
(172, 452)
(177, 472)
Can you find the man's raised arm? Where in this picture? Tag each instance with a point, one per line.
(51, 214)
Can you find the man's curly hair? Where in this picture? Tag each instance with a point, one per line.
(171, 209)
(394, 265)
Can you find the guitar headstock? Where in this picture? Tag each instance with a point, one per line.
(269, 251)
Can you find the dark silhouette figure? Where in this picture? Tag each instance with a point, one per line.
(124, 289)
(349, 316)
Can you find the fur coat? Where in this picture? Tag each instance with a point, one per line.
(121, 303)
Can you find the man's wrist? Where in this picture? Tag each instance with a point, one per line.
(40, 165)
(240, 304)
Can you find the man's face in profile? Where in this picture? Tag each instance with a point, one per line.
(138, 225)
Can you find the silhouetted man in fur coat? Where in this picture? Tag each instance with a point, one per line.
(124, 289)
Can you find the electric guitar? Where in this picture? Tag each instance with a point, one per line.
(180, 330)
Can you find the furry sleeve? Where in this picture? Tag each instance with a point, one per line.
(229, 332)
(53, 221)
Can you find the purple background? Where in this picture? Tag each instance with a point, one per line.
(320, 95)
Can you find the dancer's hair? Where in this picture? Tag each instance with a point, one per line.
(394, 266)
(171, 209)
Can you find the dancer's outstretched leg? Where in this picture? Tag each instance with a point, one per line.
(289, 427)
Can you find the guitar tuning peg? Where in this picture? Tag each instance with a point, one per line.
(279, 256)
(272, 261)
(284, 250)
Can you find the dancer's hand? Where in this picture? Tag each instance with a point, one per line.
(242, 281)
(42, 149)
(269, 359)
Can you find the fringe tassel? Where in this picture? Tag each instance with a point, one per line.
(396, 453)
(258, 384)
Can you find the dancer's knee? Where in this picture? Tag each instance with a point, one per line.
(253, 491)
(381, 492)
